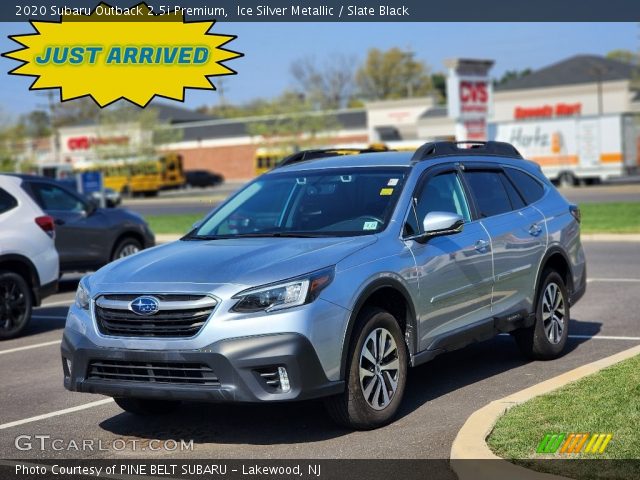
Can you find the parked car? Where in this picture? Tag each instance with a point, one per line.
(28, 257)
(202, 178)
(111, 197)
(87, 237)
(330, 277)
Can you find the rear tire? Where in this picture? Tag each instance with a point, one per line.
(375, 381)
(16, 303)
(546, 339)
(146, 407)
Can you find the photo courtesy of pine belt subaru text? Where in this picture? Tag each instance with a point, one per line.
(330, 276)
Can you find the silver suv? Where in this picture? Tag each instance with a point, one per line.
(328, 277)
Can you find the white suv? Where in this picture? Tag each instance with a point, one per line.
(28, 257)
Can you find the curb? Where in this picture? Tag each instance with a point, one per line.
(610, 237)
(470, 442)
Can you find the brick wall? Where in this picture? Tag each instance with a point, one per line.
(236, 162)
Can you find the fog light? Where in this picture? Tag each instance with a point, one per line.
(68, 362)
(284, 379)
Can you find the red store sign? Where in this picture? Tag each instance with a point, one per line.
(474, 97)
(548, 111)
(85, 143)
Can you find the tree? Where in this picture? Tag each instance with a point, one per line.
(439, 82)
(35, 124)
(292, 124)
(392, 74)
(512, 75)
(326, 86)
(626, 56)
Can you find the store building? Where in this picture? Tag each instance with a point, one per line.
(595, 97)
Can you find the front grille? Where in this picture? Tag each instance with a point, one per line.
(173, 373)
(177, 316)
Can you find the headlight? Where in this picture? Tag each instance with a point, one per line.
(285, 294)
(82, 296)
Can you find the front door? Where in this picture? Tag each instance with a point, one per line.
(454, 271)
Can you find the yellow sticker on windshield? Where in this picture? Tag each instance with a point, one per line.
(386, 191)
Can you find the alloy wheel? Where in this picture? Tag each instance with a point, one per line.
(553, 313)
(127, 250)
(379, 368)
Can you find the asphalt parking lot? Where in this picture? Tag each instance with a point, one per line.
(440, 394)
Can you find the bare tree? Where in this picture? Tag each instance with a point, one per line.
(326, 85)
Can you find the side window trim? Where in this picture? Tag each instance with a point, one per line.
(505, 178)
(486, 167)
(423, 180)
(545, 188)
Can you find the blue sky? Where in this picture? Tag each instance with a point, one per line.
(270, 48)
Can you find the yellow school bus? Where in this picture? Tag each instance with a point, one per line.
(172, 171)
(130, 176)
(268, 158)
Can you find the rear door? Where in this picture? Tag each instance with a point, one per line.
(81, 234)
(454, 271)
(518, 237)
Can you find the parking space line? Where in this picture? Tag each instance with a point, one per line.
(56, 304)
(29, 347)
(613, 280)
(57, 413)
(605, 337)
(594, 337)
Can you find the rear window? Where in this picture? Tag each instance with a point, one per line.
(530, 188)
(7, 202)
(489, 192)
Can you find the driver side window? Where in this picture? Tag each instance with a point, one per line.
(441, 193)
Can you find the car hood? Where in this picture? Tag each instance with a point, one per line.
(246, 261)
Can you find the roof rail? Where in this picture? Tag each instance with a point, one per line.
(314, 154)
(470, 147)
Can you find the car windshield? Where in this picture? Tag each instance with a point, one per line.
(344, 202)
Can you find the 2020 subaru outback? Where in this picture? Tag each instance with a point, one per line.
(330, 276)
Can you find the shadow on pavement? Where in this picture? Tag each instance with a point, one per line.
(304, 422)
(45, 319)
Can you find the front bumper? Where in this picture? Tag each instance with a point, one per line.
(235, 362)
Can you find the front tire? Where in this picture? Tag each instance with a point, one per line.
(146, 407)
(15, 305)
(127, 246)
(546, 339)
(376, 373)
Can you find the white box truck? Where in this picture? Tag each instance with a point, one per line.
(576, 150)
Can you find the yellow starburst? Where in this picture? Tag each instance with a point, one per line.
(122, 57)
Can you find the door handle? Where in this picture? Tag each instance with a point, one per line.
(535, 229)
(481, 245)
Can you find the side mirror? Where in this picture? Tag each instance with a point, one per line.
(91, 205)
(441, 223)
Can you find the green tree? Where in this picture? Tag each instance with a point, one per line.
(622, 55)
(291, 123)
(439, 82)
(512, 75)
(393, 74)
